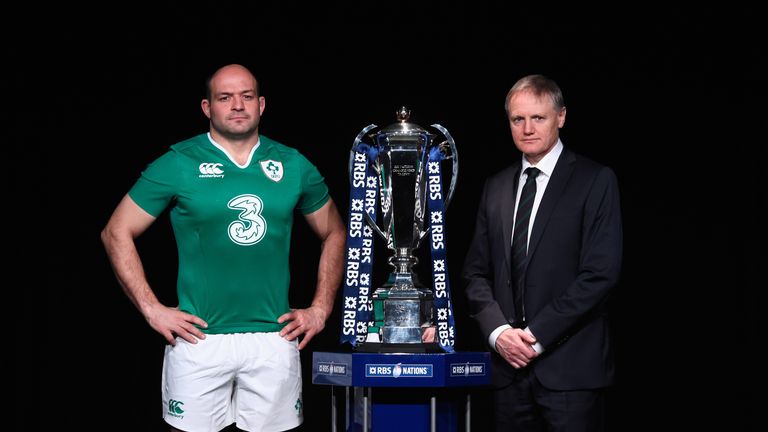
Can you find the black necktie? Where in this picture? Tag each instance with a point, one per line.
(520, 242)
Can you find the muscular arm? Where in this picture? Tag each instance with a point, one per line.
(128, 222)
(326, 223)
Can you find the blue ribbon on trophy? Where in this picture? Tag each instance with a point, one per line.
(441, 286)
(356, 316)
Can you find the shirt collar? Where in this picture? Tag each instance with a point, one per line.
(250, 155)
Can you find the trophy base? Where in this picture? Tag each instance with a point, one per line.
(375, 347)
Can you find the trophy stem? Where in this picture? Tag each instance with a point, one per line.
(403, 261)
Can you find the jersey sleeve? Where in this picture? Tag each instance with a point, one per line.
(157, 186)
(314, 190)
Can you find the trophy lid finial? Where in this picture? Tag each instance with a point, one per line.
(403, 126)
(403, 114)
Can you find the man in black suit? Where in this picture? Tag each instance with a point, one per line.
(541, 303)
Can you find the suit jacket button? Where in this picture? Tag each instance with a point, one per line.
(509, 283)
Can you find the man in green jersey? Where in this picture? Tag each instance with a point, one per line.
(233, 354)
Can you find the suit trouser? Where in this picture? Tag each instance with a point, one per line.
(527, 406)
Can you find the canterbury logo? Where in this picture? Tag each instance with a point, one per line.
(211, 169)
(174, 407)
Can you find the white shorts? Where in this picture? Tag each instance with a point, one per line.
(252, 379)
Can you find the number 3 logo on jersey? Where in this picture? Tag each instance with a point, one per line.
(250, 227)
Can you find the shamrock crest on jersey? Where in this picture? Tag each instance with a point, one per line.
(272, 169)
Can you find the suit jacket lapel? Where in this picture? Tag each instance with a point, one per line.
(507, 207)
(555, 187)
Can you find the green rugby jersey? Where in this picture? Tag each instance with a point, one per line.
(232, 226)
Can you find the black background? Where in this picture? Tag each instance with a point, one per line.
(669, 98)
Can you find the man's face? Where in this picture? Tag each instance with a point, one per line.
(535, 124)
(235, 108)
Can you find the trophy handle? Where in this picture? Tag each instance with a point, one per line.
(358, 140)
(454, 156)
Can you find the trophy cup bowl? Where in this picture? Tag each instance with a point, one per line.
(402, 307)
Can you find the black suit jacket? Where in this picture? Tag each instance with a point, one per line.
(574, 252)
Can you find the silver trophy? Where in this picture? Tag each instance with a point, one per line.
(402, 307)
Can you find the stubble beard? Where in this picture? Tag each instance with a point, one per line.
(235, 135)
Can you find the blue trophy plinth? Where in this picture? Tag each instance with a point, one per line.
(401, 392)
